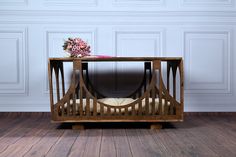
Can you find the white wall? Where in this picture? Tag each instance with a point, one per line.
(202, 31)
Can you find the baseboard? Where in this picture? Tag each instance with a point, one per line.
(209, 113)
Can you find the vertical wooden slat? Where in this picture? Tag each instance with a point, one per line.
(81, 101)
(147, 104)
(174, 83)
(85, 67)
(140, 108)
(181, 70)
(150, 75)
(133, 110)
(126, 111)
(78, 66)
(157, 66)
(87, 105)
(174, 70)
(62, 78)
(145, 76)
(168, 85)
(74, 105)
(160, 92)
(108, 111)
(165, 107)
(68, 108)
(57, 83)
(116, 111)
(102, 109)
(95, 106)
(168, 76)
(50, 70)
(74, 91)
(77, 90)
(153, 101)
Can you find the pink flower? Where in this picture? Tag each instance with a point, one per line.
(76, 47)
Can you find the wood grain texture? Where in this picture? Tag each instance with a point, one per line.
(146, 98)
(93, 146)
(108, 148)
(78, 148)
(63, 146)
(111, 59)
(33, 135)
(16, 133)
(45, 144)
(121, 143)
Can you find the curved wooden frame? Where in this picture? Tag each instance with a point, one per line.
(66, 109)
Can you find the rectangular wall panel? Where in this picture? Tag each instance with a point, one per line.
(13, 61)
(207, 61)
(55, 39)
(147, 42)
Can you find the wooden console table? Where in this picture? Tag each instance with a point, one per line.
(153, 101)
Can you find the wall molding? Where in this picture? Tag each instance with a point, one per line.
(118, 17)
(141, 33)
(14, 3)
(210, 107)
(25, 106)
(20, 86)
(108, 13)
(65, 30)
(225, 85)
(208, 3)
(138, 3)
(86, 3)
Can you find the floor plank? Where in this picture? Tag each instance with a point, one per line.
(164, 138)
(121, 143)
(32, 135)
(79, 145)
(217, 139)
(45, 144)
(140, 145)
(6, 127)
(93, 145)
(22, 145)
(150, 144)
(17, 132)
(63, 146)
(108, 148)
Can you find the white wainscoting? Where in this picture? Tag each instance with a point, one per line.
(201, 31)
(207, 56)
(55, 39)
(14, 68)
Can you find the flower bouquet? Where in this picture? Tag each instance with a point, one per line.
(76, 47)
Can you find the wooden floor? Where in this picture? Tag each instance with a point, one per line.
(32, 134)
